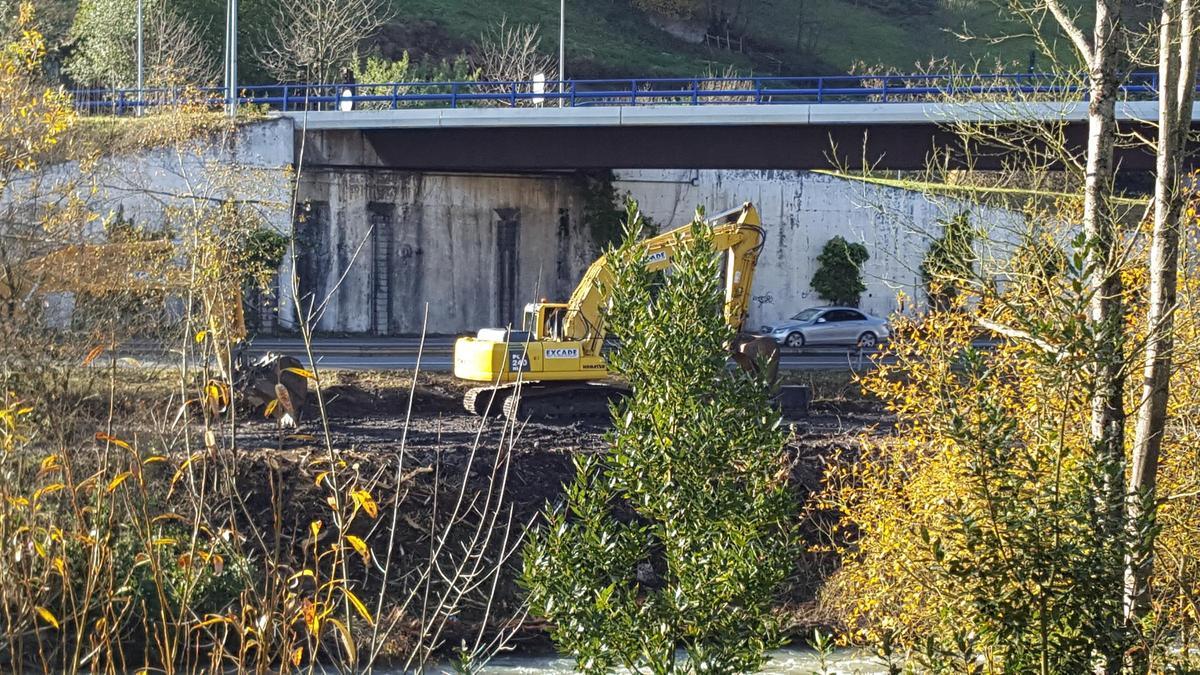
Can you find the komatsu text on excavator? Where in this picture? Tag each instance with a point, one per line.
(557, 355)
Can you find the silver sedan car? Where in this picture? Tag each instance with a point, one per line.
(830, 326)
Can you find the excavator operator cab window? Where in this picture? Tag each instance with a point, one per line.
(544, 322)
(554, 322)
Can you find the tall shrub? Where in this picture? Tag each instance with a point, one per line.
(678, 535)
(975, 524)
(839, 278)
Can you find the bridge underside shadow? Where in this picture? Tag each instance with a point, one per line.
(902, 147)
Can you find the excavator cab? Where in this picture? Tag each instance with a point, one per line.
(544, 320)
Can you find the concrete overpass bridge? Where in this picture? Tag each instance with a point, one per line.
(891, 136)
(893, 122)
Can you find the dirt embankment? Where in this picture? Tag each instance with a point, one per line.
(447, 454)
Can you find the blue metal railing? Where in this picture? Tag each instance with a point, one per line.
(618, 92)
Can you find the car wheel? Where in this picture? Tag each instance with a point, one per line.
(794, 340)
(867, 340)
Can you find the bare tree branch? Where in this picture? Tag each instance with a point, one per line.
(313, 40)
(1080, 39)
(512, 53)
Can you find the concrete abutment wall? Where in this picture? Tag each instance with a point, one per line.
(375, 244)
(381, 243)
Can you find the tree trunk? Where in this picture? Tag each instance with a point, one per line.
(1100, 226)
(1177, 83)
(1101, 53)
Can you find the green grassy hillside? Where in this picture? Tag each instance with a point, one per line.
(610, 38)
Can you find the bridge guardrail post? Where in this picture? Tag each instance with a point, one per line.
(572, 93)
(513, 96)
(820, 90)
(633, 92)
(885, 89)
(758, 90)
(285, 98)
(453, 94)
(395, 95)
(695, 91)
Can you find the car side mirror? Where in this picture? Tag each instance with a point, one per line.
(820, 319)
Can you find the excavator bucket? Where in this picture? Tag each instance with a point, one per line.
(760, 355)
(273, 386)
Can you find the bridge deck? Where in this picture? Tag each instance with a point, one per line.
(819, 114)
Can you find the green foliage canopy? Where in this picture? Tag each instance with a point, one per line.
(680, 534)
(839, 278)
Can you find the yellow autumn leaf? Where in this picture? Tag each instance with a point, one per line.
(312, 619)
(116, 482)
(200, 336)
(347, 640)
(315, 528)
(101, 436)
(271, 407)
(360, 547)
(357, 604)
(297, 656)
(364, 500)
(183, 467)
(46, 616)
(211, 620)
(47, 489)
(91, 356)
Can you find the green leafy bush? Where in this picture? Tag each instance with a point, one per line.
(381, 71)
(838, 279)
(680, 534)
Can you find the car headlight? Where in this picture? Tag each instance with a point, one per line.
(767, 329)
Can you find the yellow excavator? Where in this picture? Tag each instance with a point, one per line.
(557, 356)
(153, 266)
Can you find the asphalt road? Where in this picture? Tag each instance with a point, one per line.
(388, 353)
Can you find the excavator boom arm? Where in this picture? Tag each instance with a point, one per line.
(738, 233)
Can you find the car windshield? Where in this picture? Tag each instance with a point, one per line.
(806, 315)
